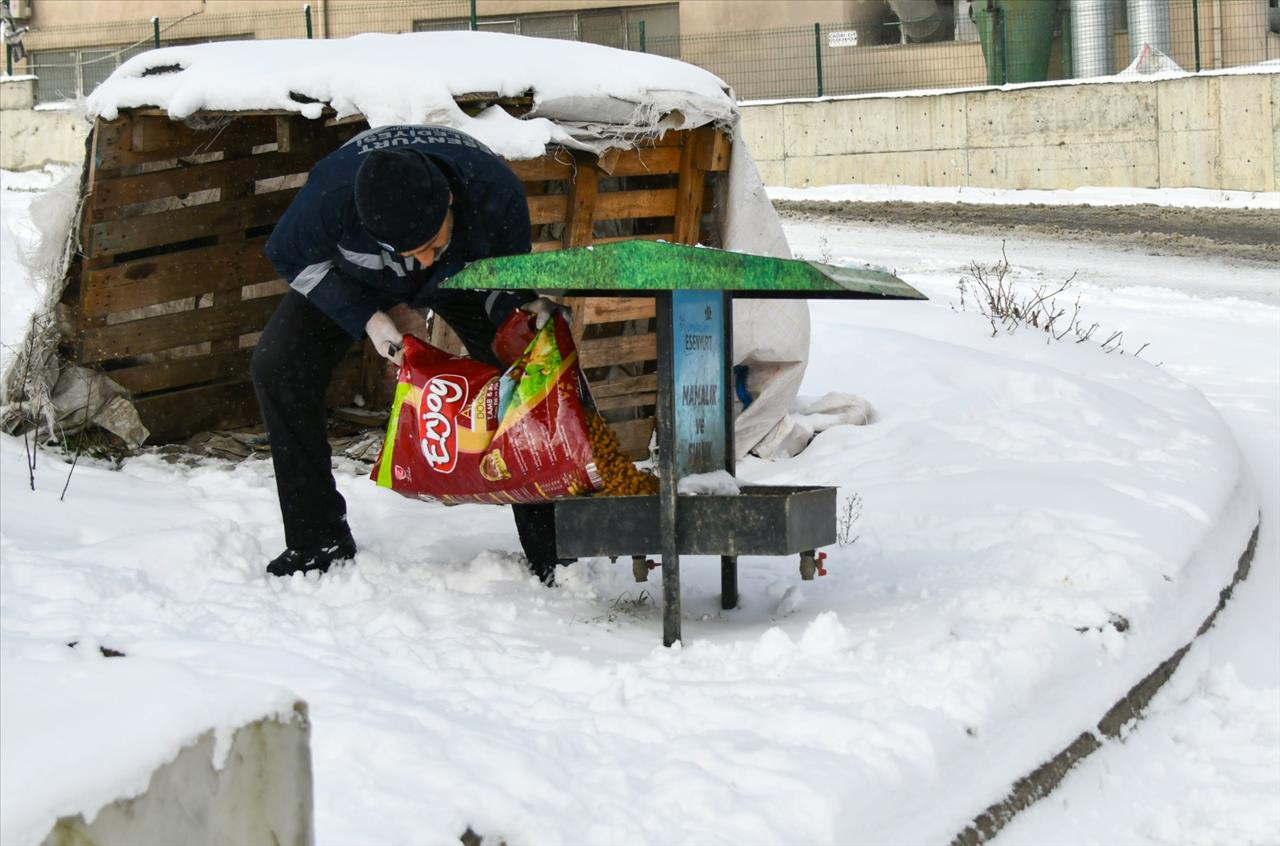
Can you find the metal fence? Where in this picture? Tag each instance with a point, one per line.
(966, 44)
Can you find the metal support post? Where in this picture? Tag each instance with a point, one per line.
(728, 563)
(643, 47)
(474, 25)
(155, 30)
(668, 481)
(1195, 28)
(817, 54)
(306, 13)
(8, 59)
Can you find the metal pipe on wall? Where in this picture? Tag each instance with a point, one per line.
(920, 18)
(1092, 35)
(1149, 24)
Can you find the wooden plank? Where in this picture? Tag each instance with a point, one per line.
(158, 137)
(180, 372)
(297, 134)
(626, 385)
(110, 139)
(581, 206)
(175, 276)
(671, 138)
(623, 205)
(548, 208)
(577, 316)
(714, 149)
(655, 236)
(178, 415)
(242, 186)
(689, 203)
(545, 246)
(633, 436)
(553, 166)
(153, 334)
(170, 227)
(614, 309)
(640, 161)
(646, 162)
(626, 401)
(189, 178)
(600, 352)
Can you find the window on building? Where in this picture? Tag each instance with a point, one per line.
(619, 27)
(57, 74)
(607, 27)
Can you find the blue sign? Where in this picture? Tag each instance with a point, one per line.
(698, 366)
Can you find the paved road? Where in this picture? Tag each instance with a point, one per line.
(1248, 234)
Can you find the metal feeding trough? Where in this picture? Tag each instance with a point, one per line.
(694, 289)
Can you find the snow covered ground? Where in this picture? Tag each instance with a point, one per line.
(1018, 499)
(1205, 765)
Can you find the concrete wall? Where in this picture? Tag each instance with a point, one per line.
(262, 794)
(1205, 131)
(1218, 131)
(31, 139)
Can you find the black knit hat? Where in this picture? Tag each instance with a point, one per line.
(401, 197)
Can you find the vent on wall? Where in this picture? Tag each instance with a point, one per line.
(20, 10)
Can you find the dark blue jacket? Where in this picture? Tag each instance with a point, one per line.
(324, 253)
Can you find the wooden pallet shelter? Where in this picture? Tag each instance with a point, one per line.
(170, 288)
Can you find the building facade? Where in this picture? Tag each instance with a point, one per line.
(763, 48)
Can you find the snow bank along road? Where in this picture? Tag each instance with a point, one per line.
(1204, 765)
(1040, 525)
(1227, 233)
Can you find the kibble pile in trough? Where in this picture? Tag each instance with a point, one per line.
(620, 476)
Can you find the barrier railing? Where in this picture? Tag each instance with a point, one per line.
(984, 44)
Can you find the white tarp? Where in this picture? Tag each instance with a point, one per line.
(585, 96)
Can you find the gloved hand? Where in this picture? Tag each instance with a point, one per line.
(387, 339)
(542, 308)
(409, 321)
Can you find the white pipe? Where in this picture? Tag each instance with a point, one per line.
(1092, 28)
(920, 18)
(1149, 24)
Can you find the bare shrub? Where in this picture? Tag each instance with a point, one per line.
(850, 512)
(1009, 309)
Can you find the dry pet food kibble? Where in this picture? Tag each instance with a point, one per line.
(619, 475)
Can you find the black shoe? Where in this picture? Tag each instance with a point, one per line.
(308, 559)
(546, 570)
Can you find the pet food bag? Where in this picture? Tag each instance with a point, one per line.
(464, 431)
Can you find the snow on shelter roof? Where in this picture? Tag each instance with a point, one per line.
(584, 95)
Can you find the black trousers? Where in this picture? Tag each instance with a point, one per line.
(292, 366)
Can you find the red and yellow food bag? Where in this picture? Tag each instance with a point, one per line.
(463, 431)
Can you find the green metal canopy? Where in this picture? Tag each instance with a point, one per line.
(639, 267)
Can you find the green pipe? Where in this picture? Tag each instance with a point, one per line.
(1195, 27)
(8, 59)
(306, 13)
(155, 30)
(1068, 68)
(474, 25)
(642, 44)
(1001, 19)
(1017, 39)
(817, 54)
